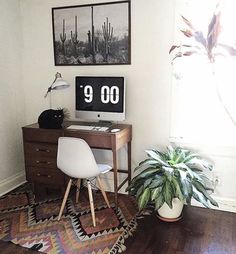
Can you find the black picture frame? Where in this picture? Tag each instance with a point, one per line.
(92, 34)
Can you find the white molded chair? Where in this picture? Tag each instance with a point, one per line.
(75, 159)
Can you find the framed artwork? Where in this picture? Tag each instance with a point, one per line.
(92, 34)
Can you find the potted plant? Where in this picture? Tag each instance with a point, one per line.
(170, 179)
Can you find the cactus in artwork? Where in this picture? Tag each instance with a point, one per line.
(89, 40)
(107, 35)
(93, 37)
(63, 37)
(74, 38)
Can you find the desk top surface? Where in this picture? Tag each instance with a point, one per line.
(68, 123)
(95, 138)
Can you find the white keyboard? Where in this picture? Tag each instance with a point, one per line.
(88, 128)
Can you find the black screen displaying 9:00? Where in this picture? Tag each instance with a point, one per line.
(102, 94)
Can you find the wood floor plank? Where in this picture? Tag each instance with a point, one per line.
(200, 231)
(10, 248)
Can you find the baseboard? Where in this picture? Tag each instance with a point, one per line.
(109, 184)
(225, 204)
(12, 182)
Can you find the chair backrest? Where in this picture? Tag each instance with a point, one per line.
(75, 158)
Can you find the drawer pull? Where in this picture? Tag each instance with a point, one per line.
(48, 176)
(43, 162)
(42, 150)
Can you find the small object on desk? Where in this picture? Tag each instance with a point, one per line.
(88, 128)
(101, 128)
(115, 130)
(80, 127)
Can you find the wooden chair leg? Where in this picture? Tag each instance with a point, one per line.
(91, 202)
(78, 183)
(64, 199)
(102, 190)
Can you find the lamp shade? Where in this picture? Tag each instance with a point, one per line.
(57, 84)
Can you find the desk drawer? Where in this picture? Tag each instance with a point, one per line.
(42, 162)
(95, 140)
(45, 175)
(40, 150)
(42, 135)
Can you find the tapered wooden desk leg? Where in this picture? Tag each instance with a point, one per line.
(78, 183)
(102, 190)
(115, 177)
(91, 203)
(129, 162)
(64, 199)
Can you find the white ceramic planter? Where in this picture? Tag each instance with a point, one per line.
(166, 212)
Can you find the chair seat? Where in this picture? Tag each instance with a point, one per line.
(104, 168)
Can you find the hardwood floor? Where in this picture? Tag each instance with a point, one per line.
(10, 248)
(200, 231)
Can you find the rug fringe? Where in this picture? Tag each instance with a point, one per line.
(119, 246)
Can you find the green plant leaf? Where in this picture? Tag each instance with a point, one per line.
(191, 173)
(202, 189)
(139, 192)
(190, 156)
(168, 174)
(155, 192)
(200, 197)
(135, 184)
(144, 198)
(170, 152)
(146, 173)
(153, 154)
(168, 193)
(206, 182)
(147, 162)
(159, 201)
(178, 192)
(186, 187)
(194, 169)
(157, 182)
(188, 191)
(147, 182)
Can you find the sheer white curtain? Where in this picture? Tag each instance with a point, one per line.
(203, 92)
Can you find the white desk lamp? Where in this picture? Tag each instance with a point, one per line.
(57, 84)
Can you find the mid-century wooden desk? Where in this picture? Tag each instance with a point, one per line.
(40, 150)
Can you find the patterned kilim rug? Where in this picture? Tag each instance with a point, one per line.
(34, 224)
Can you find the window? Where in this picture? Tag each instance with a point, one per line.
(204, 93)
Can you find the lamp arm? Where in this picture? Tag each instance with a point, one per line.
(57, 76)
(50, 87)
(48, 91)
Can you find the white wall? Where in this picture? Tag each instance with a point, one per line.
(148, 77)
(11, 96)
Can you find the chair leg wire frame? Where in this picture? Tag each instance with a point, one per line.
(77, 183)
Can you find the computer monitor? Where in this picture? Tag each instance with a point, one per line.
(100, 98)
